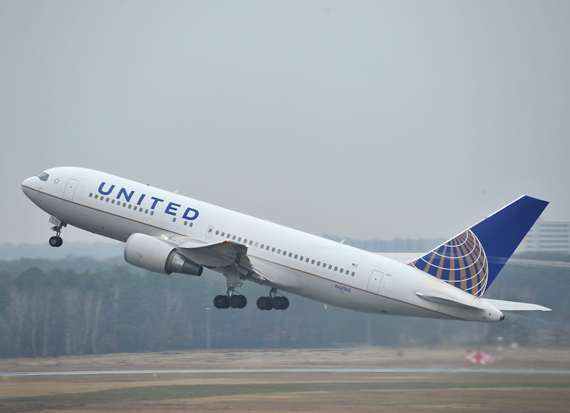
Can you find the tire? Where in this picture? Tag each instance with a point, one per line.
(243, 302)
(278, 303)
(264, 303)
(221, 301)
(55, 241)
(235, 301)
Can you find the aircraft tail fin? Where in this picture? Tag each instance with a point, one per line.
(472, 260)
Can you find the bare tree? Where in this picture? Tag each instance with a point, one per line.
(96, 323)
(18, 308)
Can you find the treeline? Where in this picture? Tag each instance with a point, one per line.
(56, 312)
(393, 245)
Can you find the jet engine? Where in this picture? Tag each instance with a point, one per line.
(154, 255)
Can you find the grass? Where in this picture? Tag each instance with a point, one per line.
(282, 392)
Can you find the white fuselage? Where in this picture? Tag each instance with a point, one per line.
(296, 262)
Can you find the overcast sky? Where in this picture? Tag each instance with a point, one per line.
(361, 119)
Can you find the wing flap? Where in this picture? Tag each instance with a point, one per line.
(218, 256)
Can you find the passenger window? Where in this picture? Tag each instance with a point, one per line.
(273, 250)
(91, 195)
(130, 206)
(341, 271)
(312, 262)
(290, 254)
(173, 219)
(217, 232)
(222, 234)
(284, 252)
(146, 211)
(152, 213)
(234, 238)
(324, 265)
(135, 208)
(185, 222)
(278, 251)
(256, 245)
(335, 268)
(307, 260)
(112, 201)
(353, 273)
(318, 263)
(239, 239)
(96, 196)
(245, 240)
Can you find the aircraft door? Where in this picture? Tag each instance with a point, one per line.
(70, 188)
(374, 282)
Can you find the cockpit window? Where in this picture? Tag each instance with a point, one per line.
(43, 176)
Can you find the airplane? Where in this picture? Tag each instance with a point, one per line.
(166, 233)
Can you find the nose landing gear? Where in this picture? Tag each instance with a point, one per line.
(57, 241)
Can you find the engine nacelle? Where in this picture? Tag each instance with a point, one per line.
(154, 255)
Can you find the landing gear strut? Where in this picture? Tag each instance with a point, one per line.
(57, 241)
(273, 301)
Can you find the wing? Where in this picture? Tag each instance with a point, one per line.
(224, 257)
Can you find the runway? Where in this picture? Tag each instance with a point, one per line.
(253, 371)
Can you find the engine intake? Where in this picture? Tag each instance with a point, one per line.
(154, 255)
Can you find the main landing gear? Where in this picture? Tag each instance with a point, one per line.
(273, 301)
(57, 241)
(230, 300)
(234, 300)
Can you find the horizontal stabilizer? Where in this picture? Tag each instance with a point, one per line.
(514, 306)
(443, 300)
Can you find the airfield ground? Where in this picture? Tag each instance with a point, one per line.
(481, 391)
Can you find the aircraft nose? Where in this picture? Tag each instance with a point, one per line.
(28, 185)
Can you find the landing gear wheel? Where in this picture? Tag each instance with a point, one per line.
(237, 301)
(55, 241)
(221, 301)
(278, 303)
(243, 301)
(264, 303)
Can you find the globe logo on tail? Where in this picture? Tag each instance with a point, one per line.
(461, 262)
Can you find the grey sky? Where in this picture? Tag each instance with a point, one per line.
(362, 119)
